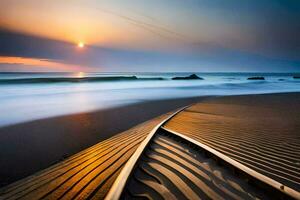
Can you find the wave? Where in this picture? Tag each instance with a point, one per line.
(76, 79)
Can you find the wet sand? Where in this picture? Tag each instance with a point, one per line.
(29, 147)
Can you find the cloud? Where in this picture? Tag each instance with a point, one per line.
(36, 64)
(31, 53)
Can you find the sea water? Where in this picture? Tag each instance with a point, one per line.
(30, 96)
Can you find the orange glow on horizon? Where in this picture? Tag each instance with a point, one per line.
(53, 65)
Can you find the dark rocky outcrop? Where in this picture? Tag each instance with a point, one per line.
(191, 77)
(256, 78)
(296, 77)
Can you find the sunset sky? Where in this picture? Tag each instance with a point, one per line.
(149, 36)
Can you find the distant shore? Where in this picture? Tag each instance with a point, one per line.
(31, 146)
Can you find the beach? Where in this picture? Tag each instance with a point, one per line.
(28, 147)
(259, 132)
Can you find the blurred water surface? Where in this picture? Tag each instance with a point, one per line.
(30, 96)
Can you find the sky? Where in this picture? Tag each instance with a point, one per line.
(150, 36)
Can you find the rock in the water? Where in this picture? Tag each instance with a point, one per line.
(296, 77)
(256, 78)
(281, 79)
(191, 77)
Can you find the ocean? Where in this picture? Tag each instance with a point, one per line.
(30, 96)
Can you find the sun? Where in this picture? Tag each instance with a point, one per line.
(80, 74)
(80, 44)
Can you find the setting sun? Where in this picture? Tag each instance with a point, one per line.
(80, 45)
(80, 74)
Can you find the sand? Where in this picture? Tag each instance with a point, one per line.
(173, 169)
(90, 173)
(259, 131)
(29, 147)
